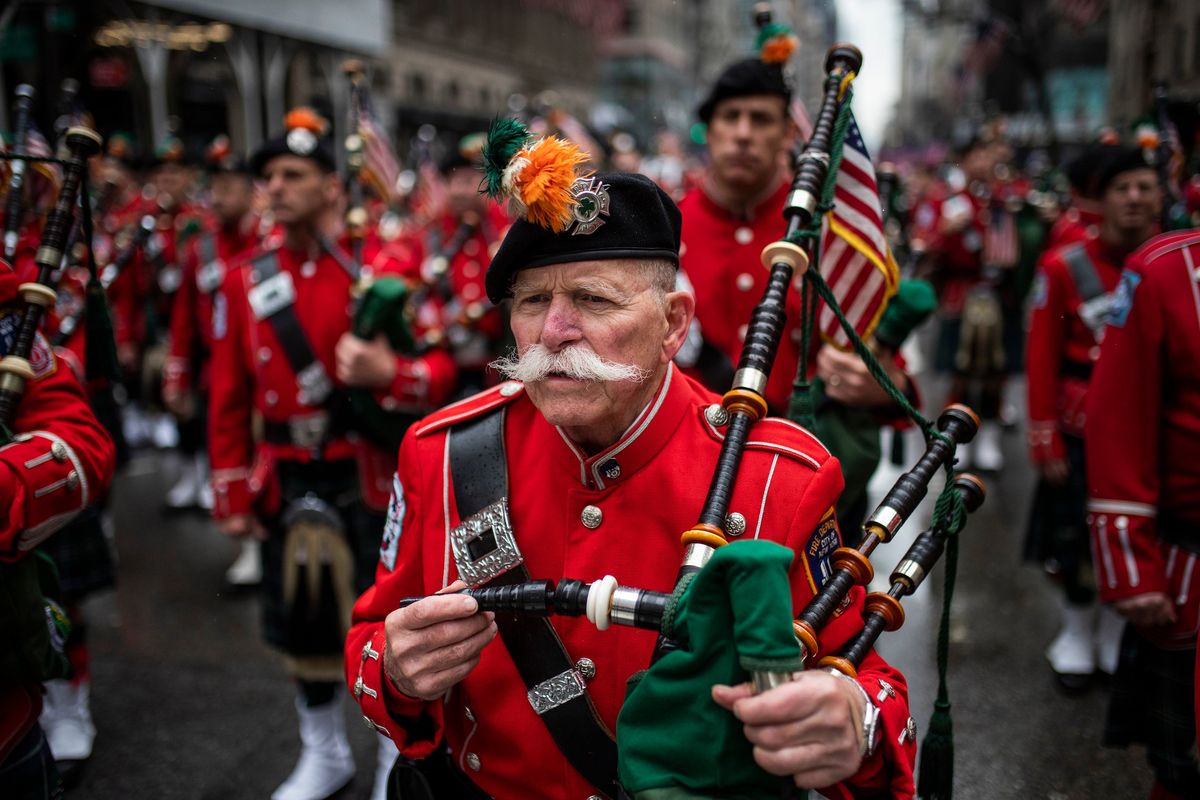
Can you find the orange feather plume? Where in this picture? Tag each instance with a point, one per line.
(778, 49)
(307, 118)
(544, 185)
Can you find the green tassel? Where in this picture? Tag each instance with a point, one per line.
(101, 357)
(769, 32)
(505, 137)
(937, 755)
(800, 407)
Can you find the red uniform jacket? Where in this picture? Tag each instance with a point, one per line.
(955, 258)
(649, 488)
(250, 373)
(203, 270)
(721, 256)
(1143, 433)
(60, 460)
(1064, 341)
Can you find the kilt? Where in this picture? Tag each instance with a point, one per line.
(1057, 536)
(306, 628)
(1153, 703)
(83, 555)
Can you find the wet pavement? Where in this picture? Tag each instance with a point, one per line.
(189, 704)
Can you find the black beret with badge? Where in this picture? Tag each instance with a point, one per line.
(305, 135)
(563, 216)
(1115, 159)
(755, 76)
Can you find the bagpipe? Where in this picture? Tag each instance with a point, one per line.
(709, 630)
(382, 303)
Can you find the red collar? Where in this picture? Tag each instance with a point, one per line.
(765, 206)
(640, 443)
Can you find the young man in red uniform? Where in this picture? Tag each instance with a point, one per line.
(1141, 437)
(601, 448)
(1072, 298)
(231, 231)
(312, 489)
(60, 460)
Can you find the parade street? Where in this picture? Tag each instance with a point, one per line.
(189, 704)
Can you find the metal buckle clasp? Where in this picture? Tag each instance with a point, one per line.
(484, 546)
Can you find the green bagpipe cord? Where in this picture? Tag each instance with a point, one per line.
(673, 741)
(937, 749)
(382, 309)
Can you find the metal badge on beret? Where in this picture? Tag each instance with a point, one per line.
(592, 203)
(301, 141)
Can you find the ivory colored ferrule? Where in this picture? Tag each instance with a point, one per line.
(48, 255)
(38, 294)
(16, 366)
(752, 379)
(786, 253)
(762, 681)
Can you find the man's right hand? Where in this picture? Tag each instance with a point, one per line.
(435, 643)
(240, 525)
(1149, 610)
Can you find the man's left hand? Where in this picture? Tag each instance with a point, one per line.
(367, 364)
(809, 728)
(848, 381)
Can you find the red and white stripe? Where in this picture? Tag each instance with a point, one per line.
(379, 160)
(1000, 247)
(855, 260)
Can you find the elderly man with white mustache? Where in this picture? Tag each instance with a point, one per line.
(592, 458)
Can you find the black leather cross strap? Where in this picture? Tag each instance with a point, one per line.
(480, 474)
(285, 321)
(1083, 273)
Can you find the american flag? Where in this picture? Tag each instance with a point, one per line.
(380, 168)
(855, 259)
(1000, 246)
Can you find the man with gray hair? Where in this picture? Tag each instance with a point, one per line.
(593, 457)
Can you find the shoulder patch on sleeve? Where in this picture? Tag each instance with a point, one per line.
(1123, 298)
(817, 562)
(41, 358)
(473, 406)
(390, 544)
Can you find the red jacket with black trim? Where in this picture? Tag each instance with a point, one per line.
(251, 374)
(648, 488)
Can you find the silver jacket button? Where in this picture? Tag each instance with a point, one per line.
(716, 415)
(735, 524)
(591, 517)
(473, 762)
(586, 667)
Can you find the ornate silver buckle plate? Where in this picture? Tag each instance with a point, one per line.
(554, 692)
(484, 545)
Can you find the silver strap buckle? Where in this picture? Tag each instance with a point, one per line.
(315, 385)
(309, 431)
(554, 692)
(484, 545)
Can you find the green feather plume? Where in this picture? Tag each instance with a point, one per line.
(505, 137)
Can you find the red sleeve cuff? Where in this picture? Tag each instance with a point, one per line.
(231, 492)
(414, 725)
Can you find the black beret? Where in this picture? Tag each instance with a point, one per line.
(1115, 159)
(618, 215)
(295, 142)
(219, 158)
(745, 79)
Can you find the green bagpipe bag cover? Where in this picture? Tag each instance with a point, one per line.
(735, 616)
(382, 309)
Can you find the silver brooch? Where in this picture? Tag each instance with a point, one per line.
(301, 141)
(592, 203)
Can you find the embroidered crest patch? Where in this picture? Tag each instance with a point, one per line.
(1123, 302)
(824, 540)
(390, 543)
